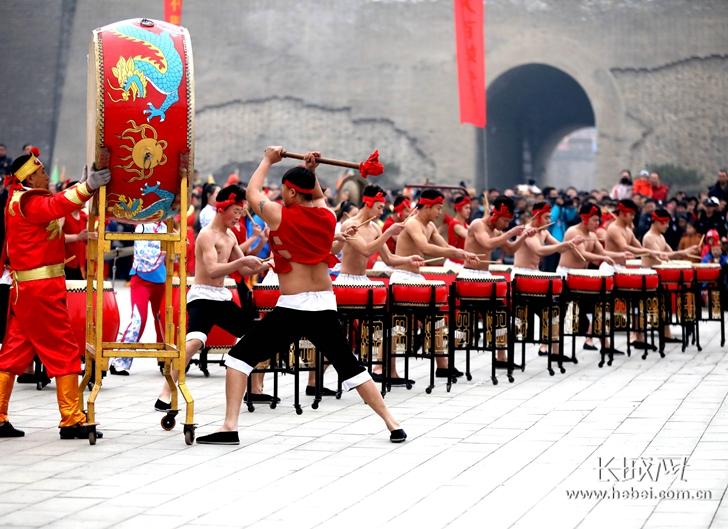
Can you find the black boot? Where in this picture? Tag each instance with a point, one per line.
(7, 430)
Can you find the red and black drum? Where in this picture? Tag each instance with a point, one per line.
(536, 283)
(589, 281)
(140, 108)
(438, 273)
(266, 297)
(633, 263)
(356, 295)
(481, 287)
(636, 279)
(76, 300)
(707, 272)
(419, 294)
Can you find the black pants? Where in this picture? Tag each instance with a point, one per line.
(282, 327)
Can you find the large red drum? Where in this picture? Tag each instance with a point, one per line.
(140, 108)
(217, 337)
(673, 275)
(419, 294)
(589, 281)
(537, 283)
(707, 272)
(481, 288)
(633, 263)
(356, 295)
(76, 301)
(266, 297)
(636, 279)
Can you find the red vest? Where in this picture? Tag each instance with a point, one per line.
(306, 234)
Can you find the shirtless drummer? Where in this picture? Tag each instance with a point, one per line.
(621, 238)
(209, 303)
(593, 251)
(370, 239)
(420, 237)
(486, 234)
(529, 255)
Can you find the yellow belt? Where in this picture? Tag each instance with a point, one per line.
(42, 272)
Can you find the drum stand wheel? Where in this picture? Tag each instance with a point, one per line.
(91, 434)
(251, 408)
(299, 410)
(168, 422)
(189, 431)
(315, 404)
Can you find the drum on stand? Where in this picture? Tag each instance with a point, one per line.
(76, 300)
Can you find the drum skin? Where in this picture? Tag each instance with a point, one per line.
(537, 284)
(707, 272)
(633, 281)
(591, 283)
(501, 270)
(418, 294)
(481, 288)
(140, 108)
(76, 301)
(357, 295)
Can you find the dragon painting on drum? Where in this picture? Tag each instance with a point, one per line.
(140, 98)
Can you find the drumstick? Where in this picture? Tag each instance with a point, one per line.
(581, 255)
(366, 221)
(545, 226)
(69, 259)
(433, 259)
(487, 204)
(247, 212)
(483, 261)
(701, 241)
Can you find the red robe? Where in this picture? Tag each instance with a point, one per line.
(38, 321)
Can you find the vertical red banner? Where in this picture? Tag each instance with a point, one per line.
(173, 11)
(470, 53)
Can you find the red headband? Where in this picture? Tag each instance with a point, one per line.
(657, 218)
(621, 208)
(370, 201)
(586, 216)
(431, 201)
(224, 204)
(460, 205)
(543, 209)
(404, 204)
(502, 211)
(298, 189)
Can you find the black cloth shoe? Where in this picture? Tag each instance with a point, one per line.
(399, 381)
(261, 397)
(397, 436)
(120, 372)
(442, 372)
(590, 347)
(560, 357)
(325, 392)
(26, 378)
(639, 344)
(160, 405)
(500, 364)
(377, 377)
(612, 351)
(78, 431)
(543, 352)
(219, 438)
(671, 339)
(7, 430)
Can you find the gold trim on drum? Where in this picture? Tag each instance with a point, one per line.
(189, 73)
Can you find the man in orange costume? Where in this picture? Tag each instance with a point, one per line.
(38, 322)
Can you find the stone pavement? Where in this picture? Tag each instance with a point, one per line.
(511, 455)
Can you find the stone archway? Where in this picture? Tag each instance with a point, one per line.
(531, 107)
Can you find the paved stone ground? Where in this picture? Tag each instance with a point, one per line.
(480, 456)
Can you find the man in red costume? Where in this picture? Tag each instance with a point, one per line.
(38, 322)
(457, 228)
(301, 235)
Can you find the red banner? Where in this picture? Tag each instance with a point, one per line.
(173, 11)
(469, 27)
